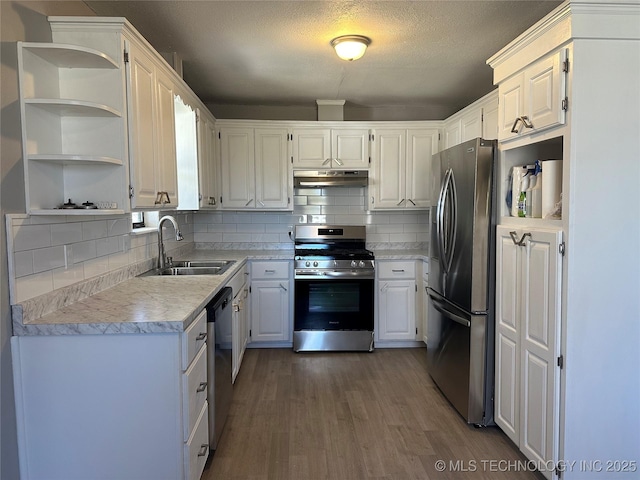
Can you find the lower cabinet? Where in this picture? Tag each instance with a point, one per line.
(271, 302)
(396, 290)
(240, 319)
(125, 406)
(528, 360)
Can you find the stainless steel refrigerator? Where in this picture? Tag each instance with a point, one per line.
(460, 332)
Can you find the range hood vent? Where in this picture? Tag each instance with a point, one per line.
(330, 178)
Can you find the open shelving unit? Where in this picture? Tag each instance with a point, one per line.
(72, 100)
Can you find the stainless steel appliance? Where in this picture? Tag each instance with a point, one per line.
(219, 379)
(330, 178)
(334, 284)
(460, 333)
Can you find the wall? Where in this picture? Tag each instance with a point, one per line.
(20, 21)
(336, 205)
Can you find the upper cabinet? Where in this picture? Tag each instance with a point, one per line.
(98, 109)
(255, 169)
(73, 124)
(400, 177)
(480, 119)
(534, 99)
(338, 148)
(152, 140)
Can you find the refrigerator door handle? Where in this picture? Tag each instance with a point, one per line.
(453, 218)
(439, 305)
(440, 220)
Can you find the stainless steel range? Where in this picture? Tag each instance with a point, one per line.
(334, 284)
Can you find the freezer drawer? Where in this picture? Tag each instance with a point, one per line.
(459, 358)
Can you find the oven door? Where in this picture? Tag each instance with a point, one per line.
(333, 304)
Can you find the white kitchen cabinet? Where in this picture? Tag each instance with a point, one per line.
(73, 123)
(528, 326)
(396, 289)
(146, 87)
(338, 148)
(208, 162)
(534, 99)
(152, 141)
(476, 120)
(114, 406)
(255, 169)
(240, 320)
(401, 173)
(271, 302)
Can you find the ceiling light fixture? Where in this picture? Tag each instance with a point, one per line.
(350, 47)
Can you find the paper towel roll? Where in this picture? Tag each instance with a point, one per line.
(551, 185)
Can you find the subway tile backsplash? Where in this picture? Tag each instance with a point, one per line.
(338, 205)
(48, 253)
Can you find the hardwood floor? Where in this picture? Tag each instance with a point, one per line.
(347, 416)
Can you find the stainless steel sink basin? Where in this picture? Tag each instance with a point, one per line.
(188, 267)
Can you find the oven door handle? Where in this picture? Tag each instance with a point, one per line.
(332, 274)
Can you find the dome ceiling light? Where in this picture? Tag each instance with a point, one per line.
(350, 47)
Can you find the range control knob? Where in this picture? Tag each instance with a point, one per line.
(354, 263)
(361, 264)
(307, 264)
(315, 264)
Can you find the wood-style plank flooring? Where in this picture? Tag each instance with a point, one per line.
(350, 416)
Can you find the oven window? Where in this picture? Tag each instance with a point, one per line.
(330, 297)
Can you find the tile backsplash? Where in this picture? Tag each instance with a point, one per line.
(336, 205)
(48, 253)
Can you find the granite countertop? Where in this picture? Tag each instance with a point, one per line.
(144, 304)
(157, 304)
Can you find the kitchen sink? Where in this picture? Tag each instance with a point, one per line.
(193, 267)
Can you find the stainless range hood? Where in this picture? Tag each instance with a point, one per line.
(330, 178)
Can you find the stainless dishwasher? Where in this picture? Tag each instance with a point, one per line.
(220, 393)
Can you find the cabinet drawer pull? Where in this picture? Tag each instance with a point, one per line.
(400, 270)
(201, 336)
(203, 449)
(202, 387)
(269, 271)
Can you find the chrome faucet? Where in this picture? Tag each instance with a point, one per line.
(162, 256)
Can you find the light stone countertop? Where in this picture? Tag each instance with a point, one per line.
(144, 304)
(158, 304)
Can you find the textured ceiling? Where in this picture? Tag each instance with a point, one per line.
(423, 53)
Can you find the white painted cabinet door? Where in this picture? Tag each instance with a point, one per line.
(350, 148)
(540, 345)
(422, 144)
(471, 125)
(238, 164)
(142, 147)
(167, 180)
(533, 100)
(272, 169)
(388, 180)
(452, 134)
(528, 292)
(490, 121)
(507, 392)
(270, 310)
(311, 148)
(207, 163)
(397, 309)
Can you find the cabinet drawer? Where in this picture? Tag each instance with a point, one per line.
(193, 338)
(196, 450)
(270, 270)
(397, 269)
(194, 390)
